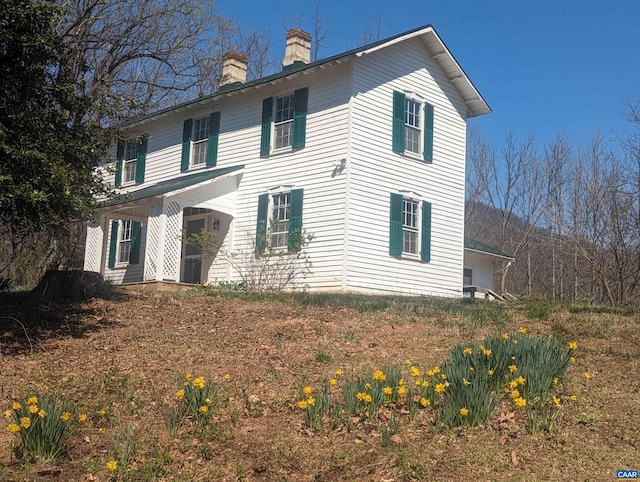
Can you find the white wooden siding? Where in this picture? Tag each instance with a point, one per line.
(377, 171)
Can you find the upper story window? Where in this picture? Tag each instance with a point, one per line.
(412, 126)
(409, 227)
(131, 158)
(200, 142)
(284, 122)
(283, 125)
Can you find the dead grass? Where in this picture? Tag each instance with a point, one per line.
(125, 355)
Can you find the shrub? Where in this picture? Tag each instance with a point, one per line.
(196, 399)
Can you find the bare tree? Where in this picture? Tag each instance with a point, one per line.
(372, 31)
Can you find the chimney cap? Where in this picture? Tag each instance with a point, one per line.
(235, 55)
(298, 33)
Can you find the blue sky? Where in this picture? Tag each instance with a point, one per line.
(542, 66)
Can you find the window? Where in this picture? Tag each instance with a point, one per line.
(409, 227)
(124, 247)
(200, 142)
(279, 224)
(131, 159)
(412, 126)
(124, 242)
(284, 118)
(467, 276)
(279, 220)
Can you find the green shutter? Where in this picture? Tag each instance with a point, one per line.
(399, 106)
(212, 143)
(300, 98)
(119, 155)
(267, 115)
(261, 224)
(186, 145)
(428, 132)
(295, 221)
(141, 160)
(425, 251)
(395, 225)
(113, 244)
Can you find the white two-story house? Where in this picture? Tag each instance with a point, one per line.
(365, 151)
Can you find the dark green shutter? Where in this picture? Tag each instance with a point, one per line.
(295, 221)
(186, 145)
(300, 98)
(113, 244)
(399, 106)
(134, 252)
(425, 251)
(261, 224)
(395, 225)
(141, 160)
(212, 143)
(119, 155)
(428, 132)
(267, 116)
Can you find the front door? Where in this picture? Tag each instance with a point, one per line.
(192, 255)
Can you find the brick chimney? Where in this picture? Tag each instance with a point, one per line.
(298, 47)
(234, 68)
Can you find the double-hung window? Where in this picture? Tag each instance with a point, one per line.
(283, 125)
(279, 224)
(279, 219)
(124, 242)
(200, 142)
(410, 227)
(131, 158)
(124, 245)
(284, 122)
(412, 130)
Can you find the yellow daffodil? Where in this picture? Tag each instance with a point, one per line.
(180, 394)
(82, 418)
(521, 402)
(13, 428)
(25, 422)
(505, 336)
(522, 330)
(16, 406)
(33, 408)
(42, 414)
(65, 416)
(307, 391)
(513, 368)
(572, 360)
(311, 401)
(388, 391)
(521, 380)
(227, 377)
(587, 375)
(487, 352)
(8, 414)
(515, 394)
(402, 391)
(302, 404)
(464, 412)
(333, 382)
(439, 388)
(112, 465)
(513, 384)
(338, 373)
(573, 398)
(573, 345)
(367, 386)
(556, 401)
(379, 376)
(468, 351)
(425, 402)
(556, 380)
(415, 372)
(466, 382)
(32, 401)
(490, 373)
(203, 409)
(407, 362)
(101, 413)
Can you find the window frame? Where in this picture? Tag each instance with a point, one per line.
(274, 209)
(129, 158)
(414, 228)
(412, 113)
(201, 127)
(399, 228)
(125, 235)
(416, 113)
(287, 123)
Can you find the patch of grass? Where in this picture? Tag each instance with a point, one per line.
(323, 357)
(539, 309)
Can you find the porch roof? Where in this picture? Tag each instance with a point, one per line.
(473, 245)
(171, 186)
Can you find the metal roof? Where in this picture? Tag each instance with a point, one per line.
(476, 105)
(171, 185)
(474, 245)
